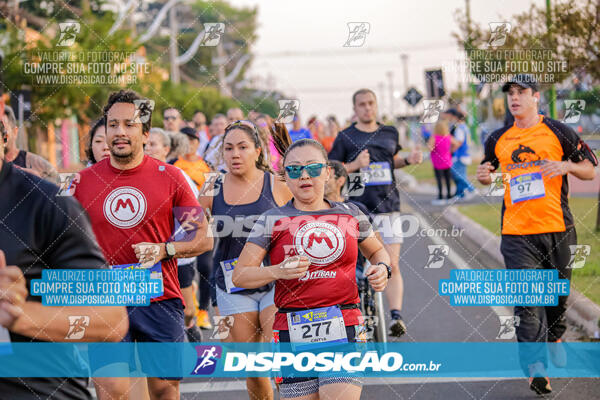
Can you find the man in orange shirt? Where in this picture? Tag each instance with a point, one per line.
(192, 163)
(537, 226)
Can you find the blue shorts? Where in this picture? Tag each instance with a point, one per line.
(161, 321)
(233, 303)
(186, 273)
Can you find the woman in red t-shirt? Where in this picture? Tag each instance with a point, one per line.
(312, 246)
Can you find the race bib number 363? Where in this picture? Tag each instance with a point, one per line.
(379, 173)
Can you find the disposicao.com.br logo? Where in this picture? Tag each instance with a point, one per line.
(326, 361)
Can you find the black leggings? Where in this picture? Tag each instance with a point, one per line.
(445, 174)
(204, 266)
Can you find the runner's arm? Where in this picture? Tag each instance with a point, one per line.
(415, 157)
(248, 273)
(490, 162)
(43, 168)
(583, 170)
(107, 324)
(374, 251)
(201, 243)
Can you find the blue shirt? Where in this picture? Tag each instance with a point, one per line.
(301, 133)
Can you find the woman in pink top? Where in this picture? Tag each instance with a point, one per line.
(439, 143)
(264, 124)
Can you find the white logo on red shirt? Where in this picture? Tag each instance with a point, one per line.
(318, 274)
(321, 242)
(125, 207)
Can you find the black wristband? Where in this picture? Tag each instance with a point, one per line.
(406, 161)
(389, 269)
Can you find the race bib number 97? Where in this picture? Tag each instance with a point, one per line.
(527, 187)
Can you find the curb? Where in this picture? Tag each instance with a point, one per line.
(580, 310)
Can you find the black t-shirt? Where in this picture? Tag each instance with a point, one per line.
(39, 230)
(383, 146)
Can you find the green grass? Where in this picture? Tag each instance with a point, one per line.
(424, 172)
(587, 279)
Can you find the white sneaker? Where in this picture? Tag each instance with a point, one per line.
(469, 195)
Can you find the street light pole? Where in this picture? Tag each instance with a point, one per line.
(404, 58)
(173, 46)
(390, 75)
(472, 114)
(552, 100)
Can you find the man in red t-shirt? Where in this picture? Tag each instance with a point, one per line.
(131, 199)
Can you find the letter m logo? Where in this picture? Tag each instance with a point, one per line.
(319, 237)
(123, 204)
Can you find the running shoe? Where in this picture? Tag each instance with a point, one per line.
(397, 327)
(194, 334)
(537, 381)
(202, 319)
(468, 195)
(540, 385)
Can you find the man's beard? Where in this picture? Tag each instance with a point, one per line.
(123, 158)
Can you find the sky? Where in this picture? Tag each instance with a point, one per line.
(300, 50)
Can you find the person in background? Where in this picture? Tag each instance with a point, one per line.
(234, 114)
(252, 115)
(25, 160)
(213, 155)
(199, 124)
(460, 154)
(265, 123)
(97, 149)
(158, 147)
(179, 146)
(332, 129)
(298, 131)
(191, 162)
(172, 119)
(439, 144)
(368, 146)
(316, 128)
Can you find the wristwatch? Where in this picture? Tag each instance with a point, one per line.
(406, 161)
(389, 269)
(170, 249)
